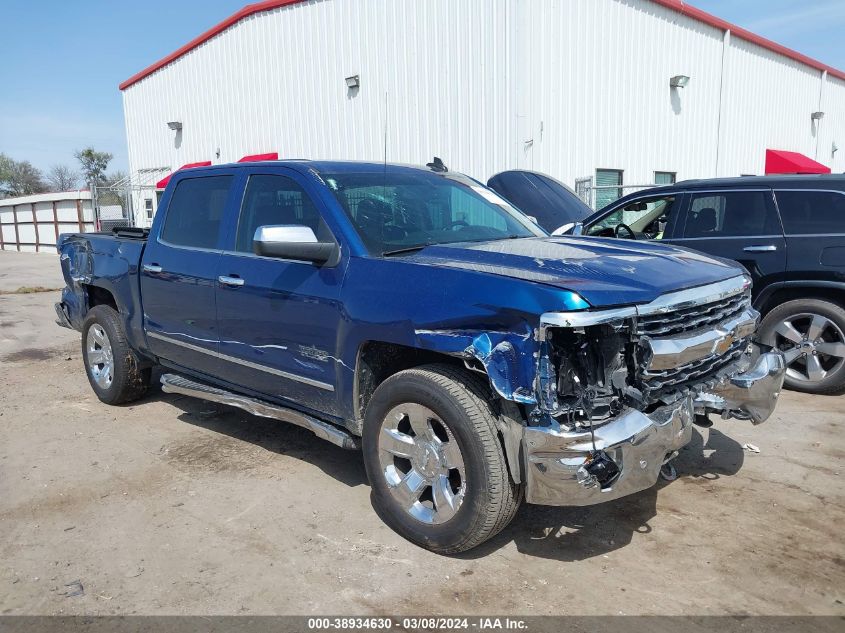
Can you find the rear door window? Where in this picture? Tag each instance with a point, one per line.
(731, 214)
(809, 212)
(196, 211)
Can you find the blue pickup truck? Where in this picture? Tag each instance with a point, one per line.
(414, 314)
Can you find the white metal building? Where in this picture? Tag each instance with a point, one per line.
(33, 223)
(572, 88)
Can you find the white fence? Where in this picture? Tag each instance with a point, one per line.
(33, 223)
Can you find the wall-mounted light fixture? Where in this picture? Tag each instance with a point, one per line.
(353, 82)
(817, 116)
(678, 81)
(834, 148)
(174, 125)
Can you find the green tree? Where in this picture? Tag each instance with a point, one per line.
(19, 178)
(5, 174)
(93, 165)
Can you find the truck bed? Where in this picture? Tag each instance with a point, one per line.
(103, 268)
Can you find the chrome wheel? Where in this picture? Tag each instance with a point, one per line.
(422, 463)
(812, 344)
(98, 352)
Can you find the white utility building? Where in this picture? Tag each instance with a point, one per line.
(622, 92)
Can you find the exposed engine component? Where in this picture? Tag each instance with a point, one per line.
(591, 373)
(591, 368)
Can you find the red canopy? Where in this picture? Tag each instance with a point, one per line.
(782, 162)
(254, 158)
(161, 184)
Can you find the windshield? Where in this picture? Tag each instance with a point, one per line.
(397, 212)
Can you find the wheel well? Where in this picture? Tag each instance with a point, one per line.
(100, 296)
(783, 295)
(378, 361)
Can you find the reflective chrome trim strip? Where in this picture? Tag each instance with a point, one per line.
(665, 303)
(245, 363)
(777, 236)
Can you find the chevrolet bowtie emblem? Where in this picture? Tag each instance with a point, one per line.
(725, 344)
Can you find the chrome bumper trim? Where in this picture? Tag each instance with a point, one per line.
(639, 443)
(750, 395)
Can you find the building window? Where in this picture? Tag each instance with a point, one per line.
(665, 177)
(148, 207)
(608, 186)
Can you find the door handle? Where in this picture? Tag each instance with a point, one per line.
(152, 268)
(230, 281)
(767, 248)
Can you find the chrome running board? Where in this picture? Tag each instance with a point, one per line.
(172, 383)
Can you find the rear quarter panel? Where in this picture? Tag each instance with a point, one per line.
(91, 260)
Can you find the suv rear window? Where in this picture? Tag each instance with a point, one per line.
(807, 212)
(195, 212)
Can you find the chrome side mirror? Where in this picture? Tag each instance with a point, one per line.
(572, 228)
(293, 242)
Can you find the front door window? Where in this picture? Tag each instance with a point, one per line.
(646, 218)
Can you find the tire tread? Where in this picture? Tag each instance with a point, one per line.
(130, 380)
(473, 394)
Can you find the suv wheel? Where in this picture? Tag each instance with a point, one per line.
(111, 365)
(437, 470)
(811, 335)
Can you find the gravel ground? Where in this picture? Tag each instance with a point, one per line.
(176, 506)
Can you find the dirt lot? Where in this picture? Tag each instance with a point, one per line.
(175, 506)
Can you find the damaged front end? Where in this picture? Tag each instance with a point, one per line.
(618, 390)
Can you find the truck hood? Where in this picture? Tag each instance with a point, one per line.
(605, 272)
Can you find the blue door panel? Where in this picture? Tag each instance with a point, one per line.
(278, 332)
(180, 314)
(178, 282)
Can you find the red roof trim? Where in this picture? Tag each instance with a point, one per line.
(161, 184)
(676, 5)
(702, 16)
(254, 158)
(250, 9)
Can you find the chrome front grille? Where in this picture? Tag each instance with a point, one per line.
(686, 375)
(684, 326)
(692, 318)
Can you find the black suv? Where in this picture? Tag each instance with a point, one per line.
(788, 231)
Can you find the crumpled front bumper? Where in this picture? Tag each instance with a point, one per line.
(638, 443)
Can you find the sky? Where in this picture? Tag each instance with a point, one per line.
(63, 60)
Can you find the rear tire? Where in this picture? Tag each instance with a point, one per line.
(112, 367)
(811, 334)
(437, 469)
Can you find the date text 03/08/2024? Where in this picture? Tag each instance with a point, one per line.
(418, 623)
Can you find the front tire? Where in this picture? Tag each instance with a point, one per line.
(111, 365)
(437, 469)
(811, 335)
